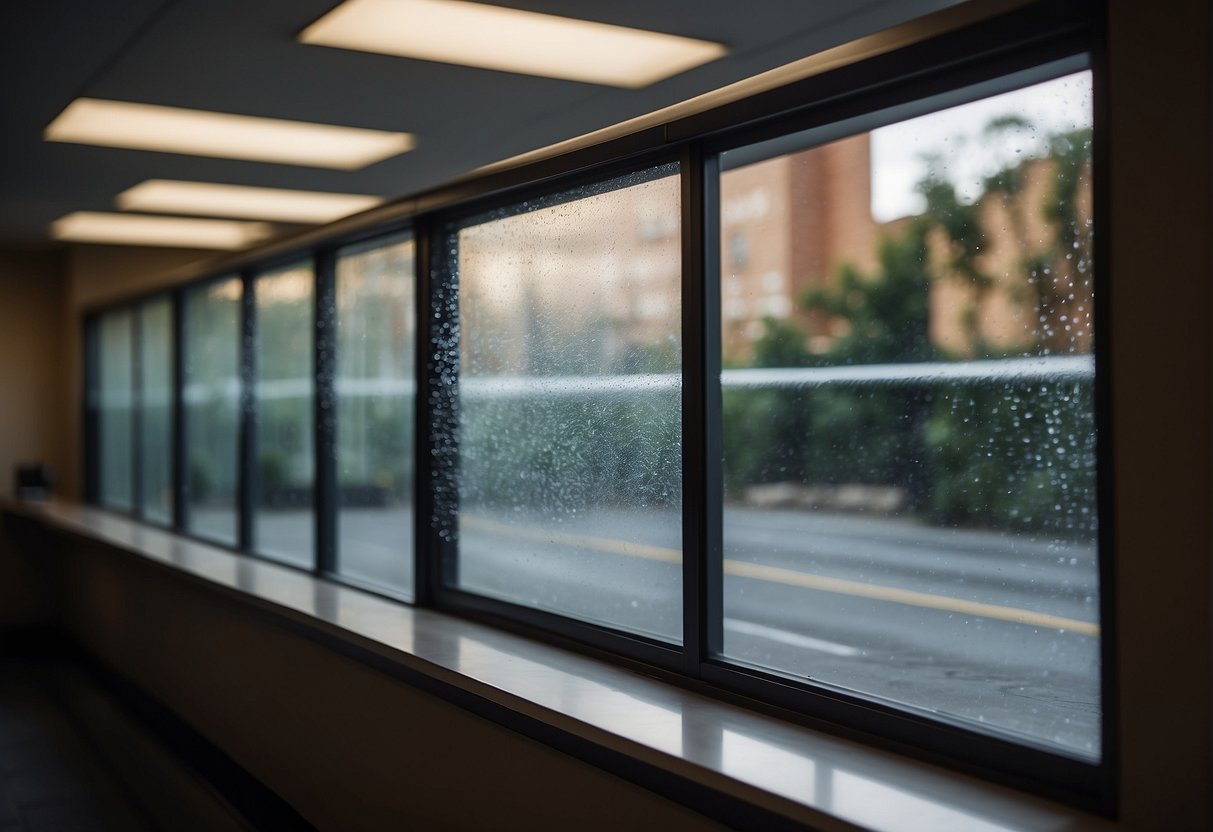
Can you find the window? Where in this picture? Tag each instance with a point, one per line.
(376, 395)
(909, 469)
(212, 340)
(283, 523)
(116, 392)
(156, 409)
(569, 405)
(808, 415)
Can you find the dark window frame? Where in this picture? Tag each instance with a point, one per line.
(867, 92)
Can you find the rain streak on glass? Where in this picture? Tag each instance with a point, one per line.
(116, 406)
(569, 398)
(376, 292)
(211, 388)
(909, 432)
(283, 527)
(156, 409)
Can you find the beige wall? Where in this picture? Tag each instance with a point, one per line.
(32, 372)
(33, 395)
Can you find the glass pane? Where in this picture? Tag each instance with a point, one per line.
(116, 387)
(212, 408)
(375, 394)
(156, 409)
(283, 527)
(909, 428)
(570, 437)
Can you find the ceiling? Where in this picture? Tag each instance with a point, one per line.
(241, 56)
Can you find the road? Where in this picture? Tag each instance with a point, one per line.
(982, 626)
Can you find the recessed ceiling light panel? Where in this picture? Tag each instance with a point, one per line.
(132, 229)
(493, 37)
(210, 199)
(203, 133)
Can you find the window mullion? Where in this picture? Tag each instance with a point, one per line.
(701, 364)
(324, 404)
(138, 509)
(180, 459)
(92, 410)
(248, 451)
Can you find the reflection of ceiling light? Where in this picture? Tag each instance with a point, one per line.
(213, 200)
(131, 229)
(202, 133)
(494, 37)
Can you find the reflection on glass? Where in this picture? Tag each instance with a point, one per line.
(283, 527)
(909, 431)
(155, 409)
(570, 438)
(375, 394)
(211, 388)
(116, 406)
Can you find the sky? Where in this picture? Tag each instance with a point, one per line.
(899, 150)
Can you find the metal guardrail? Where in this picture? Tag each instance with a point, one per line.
(1061, 368)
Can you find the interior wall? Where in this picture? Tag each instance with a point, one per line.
(347, 746)
(1160, 277)
(33, 396)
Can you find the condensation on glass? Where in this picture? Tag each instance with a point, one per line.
(283, 437)
(156, 409)
(375, 387)
(569, 404)
(211, 340)
(116, 406)
(909, 433)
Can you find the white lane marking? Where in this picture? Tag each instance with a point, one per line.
(749, 628)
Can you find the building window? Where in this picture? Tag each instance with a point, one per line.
(211, 343)
(856, 479)
(376, 395)
(115, 387)
(156, 384)
(283, 524)
(910, 507)
(569, 397)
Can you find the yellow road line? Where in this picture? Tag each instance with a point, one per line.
(602, 544)
(806, 580)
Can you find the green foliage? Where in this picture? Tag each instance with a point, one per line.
(887, 314)
(1015, 455)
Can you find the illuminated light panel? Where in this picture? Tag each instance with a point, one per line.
(209, 199)
(132, 229)
(203, 133)
(493, 37)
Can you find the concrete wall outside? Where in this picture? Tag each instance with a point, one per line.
(33, 396)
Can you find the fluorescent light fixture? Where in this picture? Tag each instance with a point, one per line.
(132, 229)
(494, 37)
(209, 199)
(228, 136)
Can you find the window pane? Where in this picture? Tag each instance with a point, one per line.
(212, 408)
(570, 437)
(115, 383)
(156, 409)
(283, 527)
(909, 428)
(375, 394)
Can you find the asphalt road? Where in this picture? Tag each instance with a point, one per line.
(985, 627)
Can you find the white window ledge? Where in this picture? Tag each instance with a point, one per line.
(789, 771)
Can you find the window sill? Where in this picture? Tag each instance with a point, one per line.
(680, 743)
